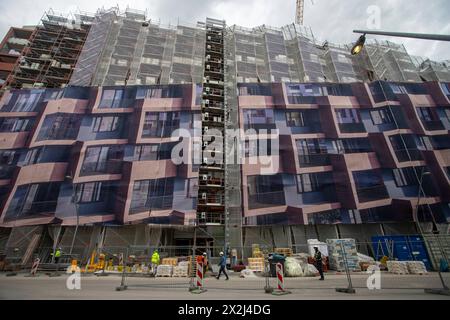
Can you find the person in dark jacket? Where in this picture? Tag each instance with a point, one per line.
(319, 265)
(223, 266)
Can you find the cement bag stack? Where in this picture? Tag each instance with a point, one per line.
(416, 267)
(181, 270)
(293, 268)
(397, 267)
(336, 250)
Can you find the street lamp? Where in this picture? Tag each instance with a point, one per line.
(74, 200)
(359, 45)
(357, 48)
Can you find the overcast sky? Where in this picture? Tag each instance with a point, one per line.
(331, 20)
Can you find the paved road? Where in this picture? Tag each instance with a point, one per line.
(103, 288)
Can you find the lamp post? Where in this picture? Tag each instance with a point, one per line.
(74, 200)
(359, 45)
(445, 290)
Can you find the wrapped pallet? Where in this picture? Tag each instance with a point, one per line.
(256, 264)
(341, 252)
(164, 271)
(416, 267)
(397, 267)
(181, 271)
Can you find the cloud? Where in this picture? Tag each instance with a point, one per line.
(332, 20)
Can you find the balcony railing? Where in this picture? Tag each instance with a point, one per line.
(314, 160)
(152, 203)
(404, 155)
(433, 125)
(372, 193)
(351, 127)
(107, 167)
(213, 200)
(267, 199)
(212, 182)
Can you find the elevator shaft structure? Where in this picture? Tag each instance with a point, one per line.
(211, 200)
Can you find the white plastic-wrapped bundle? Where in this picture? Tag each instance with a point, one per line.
(164, 271)
(180, 271)
(397, 267)
(293, 268)
(310, 271)
(247, 273)
(416, 267)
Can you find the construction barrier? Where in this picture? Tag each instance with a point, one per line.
(35, 267)
(200, 275)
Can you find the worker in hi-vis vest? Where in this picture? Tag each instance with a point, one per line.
(155, 261)
(57, 255)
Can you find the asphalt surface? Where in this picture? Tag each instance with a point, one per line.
(43, 287)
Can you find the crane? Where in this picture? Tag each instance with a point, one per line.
(300, 10)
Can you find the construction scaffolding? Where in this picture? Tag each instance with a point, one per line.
(53, 50)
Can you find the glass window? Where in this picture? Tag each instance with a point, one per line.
(426, 114)
(112, 98)
(381, 116)
(367, 179)
(192, 188)
(60, 126)
(105, 124)
(26, 102)
(15, 124)
(295, 119)
(347, 115)
(405, 177)
(90, 192)
(307, 183)
(259, 119)
(160, 124)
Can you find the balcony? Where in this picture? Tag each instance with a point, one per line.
(98, 168)
(266, 199)
(433, 125)
(352, 128)
(404, 155)
(6, 171)
(314, 160)
(212, 182)
(372, 193)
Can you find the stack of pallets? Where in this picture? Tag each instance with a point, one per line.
(416, 267)
(256, 264)
(287, 252)
(170, 262)
(181, 270)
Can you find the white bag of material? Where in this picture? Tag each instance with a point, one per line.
(310, 271)
(293, 268)
(364, 258)
(247, 273)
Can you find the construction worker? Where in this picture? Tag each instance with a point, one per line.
(205, 263)
(319, 265)
(57, 255)
(155, 261)
(223, 266)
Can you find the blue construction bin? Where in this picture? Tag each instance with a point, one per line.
(401, 248)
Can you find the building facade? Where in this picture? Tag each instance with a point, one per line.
(281, 138)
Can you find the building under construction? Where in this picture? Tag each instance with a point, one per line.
(89, 165)
(52, 51)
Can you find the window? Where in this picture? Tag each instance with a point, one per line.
(312, 152)
(153, 152)
(255, 90)
(15, 124)
(105, 124)
(160, 92)
(60, 126)
(355, 145)
(447, 171)
(102, 160)
(447, 113)
(295, 119)
(259, 147)
(367, 179)
(265, 191)
(307, 183)
(259, 119)
(426, 114)
(112, 98)
(32, 200)
(160, 124)
(26, 102)
(345, 116)
(90, 192)
(381, 116)
(152, 194)
(405, 177)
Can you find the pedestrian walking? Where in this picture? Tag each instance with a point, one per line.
(319, 265)
(223, 266)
